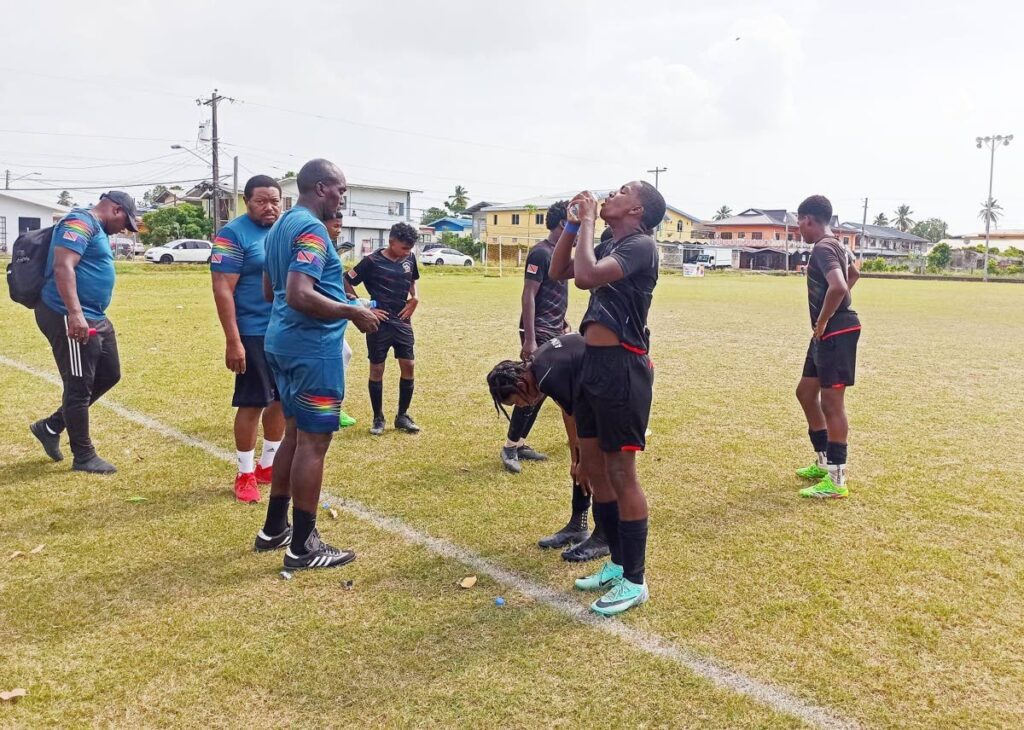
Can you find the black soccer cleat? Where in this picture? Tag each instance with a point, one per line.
(568, 535)
(265, 543)
(404, 422)
(50, 441)
(593, 548)
(510, 458)
(318, 555)
(94, 465)
(378, 426)
(527, 453)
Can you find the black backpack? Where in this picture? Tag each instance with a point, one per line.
(26, 272)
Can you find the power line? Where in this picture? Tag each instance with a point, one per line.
(88, 136)
(90, 167)
(112, 186)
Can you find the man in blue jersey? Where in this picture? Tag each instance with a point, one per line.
(236, 268)
(72, 314)
(303, 346)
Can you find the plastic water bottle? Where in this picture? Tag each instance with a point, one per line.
(360, 302)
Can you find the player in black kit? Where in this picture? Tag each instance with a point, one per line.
(390, 275)
(613, 400)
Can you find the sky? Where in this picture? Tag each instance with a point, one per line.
(747, 104)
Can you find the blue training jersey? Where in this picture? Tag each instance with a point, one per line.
(299, 242)
(239, 249)
(82, 233)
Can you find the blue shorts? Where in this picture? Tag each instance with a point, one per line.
(311, 390)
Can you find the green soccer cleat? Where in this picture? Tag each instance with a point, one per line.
(602, 580)
(826, 489)
(814, 471)
(622, 597)
(345, 420)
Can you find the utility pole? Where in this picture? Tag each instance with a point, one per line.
(234, 200)
(863, 228)
(212, 102)
(657, 171)
(992, 142)
(7, 180)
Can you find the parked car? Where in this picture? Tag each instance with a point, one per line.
(126, 248)
(185, 250)
(446, 256)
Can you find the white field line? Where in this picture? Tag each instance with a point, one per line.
(650, 643)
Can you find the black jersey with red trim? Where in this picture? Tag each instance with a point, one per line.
(829, 254)
(622, 305)
(552, 298)
(557, 365)
(388, 282)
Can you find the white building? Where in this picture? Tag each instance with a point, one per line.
(368, 212)
(20, 212)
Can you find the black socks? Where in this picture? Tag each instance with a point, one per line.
(277, 515)
(836, 453)
(405, 388)
(303, 524)
(633, 544)
(377, 398)
(819, 440)
(606, 514)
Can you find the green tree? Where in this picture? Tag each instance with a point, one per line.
(167, 224)
(65, 199)
(291, 173)
(464, 244)
(990, 212)
(934, 229)
(531, 211)
(1013, 252)
(881, 220)
(722, 213)
(903, 221)
(432, 214)
(939, 257)
(458, 201)
(149, 197)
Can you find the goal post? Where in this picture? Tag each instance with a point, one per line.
(504, 255)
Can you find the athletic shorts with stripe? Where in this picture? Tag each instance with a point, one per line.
(311, 390)
(833, 359)
(613, 399)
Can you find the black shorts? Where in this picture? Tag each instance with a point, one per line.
(613, 399)
(833, 360)
(255, 387)
(399, 337)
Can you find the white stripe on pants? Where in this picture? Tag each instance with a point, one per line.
(74, 353)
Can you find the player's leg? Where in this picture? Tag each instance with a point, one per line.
(376, 388)
(273, 433)
(807, 391)
(606, 515)
(346, 357)
(575, 530)
(247, 424)
(406, 385)
(276, 532)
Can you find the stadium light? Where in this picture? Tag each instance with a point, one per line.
(993, 142)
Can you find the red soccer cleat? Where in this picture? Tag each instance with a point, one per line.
(263, 474)
(246, 489)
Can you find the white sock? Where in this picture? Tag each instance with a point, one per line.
(838, 474)
(245, 461)
(269, 452)
(823, 459)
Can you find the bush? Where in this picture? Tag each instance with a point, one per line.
(462, 244)
(167, 224)
(874, 265)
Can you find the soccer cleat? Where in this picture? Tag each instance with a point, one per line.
(593, 548)
(510, 458)
(246, 489)
(529, 454)
(50, 441)
(265, 543)
(568, 535)
(345, 420)
(318, 555)
(94, 465)
(826, 489)
(264, 474)
(404, 422)
(814, 471)
(606, 577)
(378, 426)
(622, 597)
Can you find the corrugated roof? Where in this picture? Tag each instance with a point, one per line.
(883, 232)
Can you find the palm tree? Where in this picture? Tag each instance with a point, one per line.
(459, 200)
(881, 220)
(903, 220)
(531, 211)
(722, 213)
(990, 212)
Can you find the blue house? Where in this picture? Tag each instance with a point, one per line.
(458, 226)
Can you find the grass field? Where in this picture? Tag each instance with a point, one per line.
(902, 606)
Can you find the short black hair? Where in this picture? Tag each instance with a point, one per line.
(503, 382)
(818, 207)
(259, 181)
(405, 233)
(654, 206)
(606, 235)
(316, 171)
(556, 214)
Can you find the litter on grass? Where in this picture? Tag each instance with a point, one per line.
(468, 582)
(12, 695)
(286, 575)
(136, 500)
(16, 554)
(37, 549)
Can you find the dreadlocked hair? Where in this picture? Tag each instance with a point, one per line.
(503, 382)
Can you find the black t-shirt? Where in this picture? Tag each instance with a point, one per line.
(552, 299)
(388, 282)
(622, 306)
(557, 365)
(826, 255)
